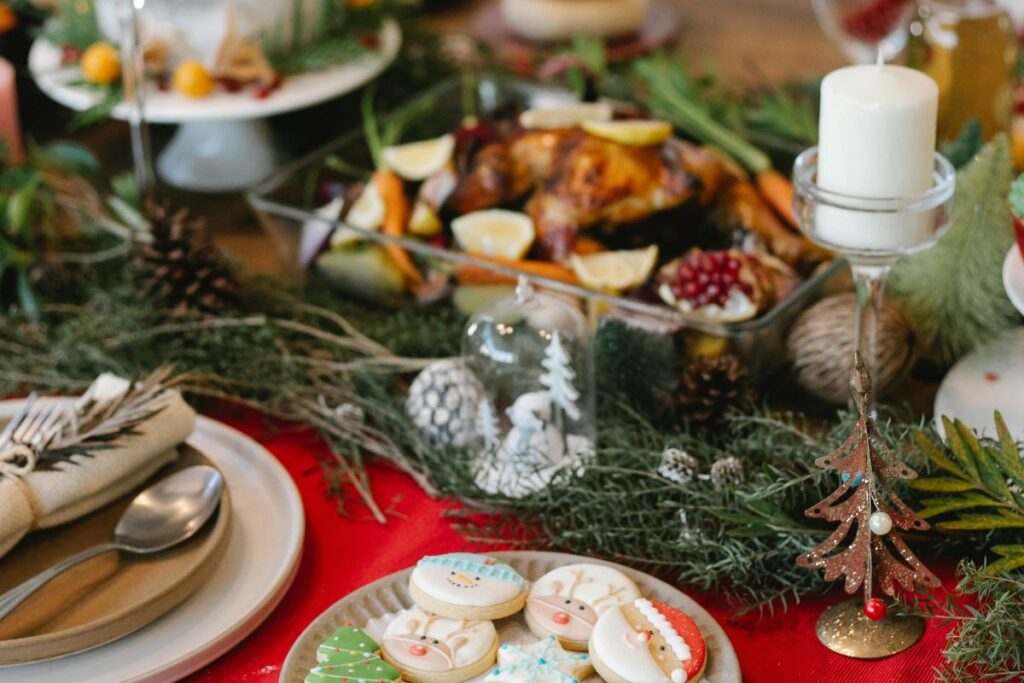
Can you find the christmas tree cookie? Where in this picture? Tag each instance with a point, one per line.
(352, 656)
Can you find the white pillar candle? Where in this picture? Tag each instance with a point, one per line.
(876, 139)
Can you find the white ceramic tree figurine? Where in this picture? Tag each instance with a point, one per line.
(487, 425)
(559, 378)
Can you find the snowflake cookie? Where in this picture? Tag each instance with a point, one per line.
(542, 662)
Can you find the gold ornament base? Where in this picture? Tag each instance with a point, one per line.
(843, 628)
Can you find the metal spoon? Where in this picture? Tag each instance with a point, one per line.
(167, 513)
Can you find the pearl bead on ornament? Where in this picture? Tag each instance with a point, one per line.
(880, 523)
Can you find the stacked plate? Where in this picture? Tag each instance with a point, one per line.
(180, 609)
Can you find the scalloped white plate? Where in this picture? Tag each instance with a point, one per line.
(371, 604)
(258, 567)
(297, 92)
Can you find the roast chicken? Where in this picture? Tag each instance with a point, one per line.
(578, 181)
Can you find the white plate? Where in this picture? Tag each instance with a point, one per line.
(258, 567)
(1013, 277)
(986, 380)
(297, 92)
(391, 594)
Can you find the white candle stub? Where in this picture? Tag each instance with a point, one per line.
(876, 139)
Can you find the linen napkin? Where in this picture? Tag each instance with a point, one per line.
(140, 437)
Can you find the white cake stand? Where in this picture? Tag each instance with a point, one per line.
(223, 143)
(990, 378)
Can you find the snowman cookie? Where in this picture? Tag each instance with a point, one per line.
(351, 656)
(428, 648)
(467, 586)
(567, 602)
(541, 662)
(647, 642)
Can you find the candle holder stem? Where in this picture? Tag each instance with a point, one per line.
(869, 281)
(134, 77)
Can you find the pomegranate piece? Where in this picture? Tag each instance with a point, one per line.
(724, 285)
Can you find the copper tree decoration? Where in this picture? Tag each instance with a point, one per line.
(866, 506)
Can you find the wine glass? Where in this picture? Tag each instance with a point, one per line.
(872, 233)
(866, 30)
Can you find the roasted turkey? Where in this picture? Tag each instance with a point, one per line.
(579, 181)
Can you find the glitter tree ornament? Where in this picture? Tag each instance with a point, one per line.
(867, 511)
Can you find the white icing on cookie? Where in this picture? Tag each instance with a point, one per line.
(675, 641)
(624, 650)
(467, 580)
(542, 662)
(568, 601)
(419, 640)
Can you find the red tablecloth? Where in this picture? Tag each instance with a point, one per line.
(343, 553)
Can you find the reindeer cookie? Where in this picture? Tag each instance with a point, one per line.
(427, 648)
(567, 602)
(467, 586)
(647, 642)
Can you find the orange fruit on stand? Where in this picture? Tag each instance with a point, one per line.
(192, 80)
(8, 19)
(100, 64)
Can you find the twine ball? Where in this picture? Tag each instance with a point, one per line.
(821, 345)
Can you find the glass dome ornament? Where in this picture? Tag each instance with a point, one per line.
(535, 419)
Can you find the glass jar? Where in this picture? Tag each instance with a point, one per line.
(970, 48)
(535, 421)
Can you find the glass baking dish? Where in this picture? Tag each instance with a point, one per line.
(287, 203)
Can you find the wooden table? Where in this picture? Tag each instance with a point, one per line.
(749, 42)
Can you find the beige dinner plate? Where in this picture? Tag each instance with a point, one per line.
(111, 595)
(370, 606)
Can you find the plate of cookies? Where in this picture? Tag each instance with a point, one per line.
(514, 617)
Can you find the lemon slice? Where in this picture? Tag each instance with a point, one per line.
(615, 270)
(494, 232)
(631, 132)
(419, 160)
(567, 116)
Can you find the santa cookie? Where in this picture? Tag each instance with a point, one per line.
(567, 602)
(647, 642)
(427, 648)
(541, 662)
(467, 586)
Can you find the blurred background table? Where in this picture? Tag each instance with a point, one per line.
(747, 41)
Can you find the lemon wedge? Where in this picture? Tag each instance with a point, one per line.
(494, 232)
(367, 213)
(566, 116)
(424, 221)
(635, 132)
(419, 160)
(615, 270)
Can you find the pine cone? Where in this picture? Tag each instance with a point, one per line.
(180, 270)
(713, 387)
(727, 472)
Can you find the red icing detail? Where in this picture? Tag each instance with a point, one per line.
(489, 561)
(348, 623)
(691, 635)
(991, 377)
(560, 618)
(643, 636)
(875, 609)
(417, 650)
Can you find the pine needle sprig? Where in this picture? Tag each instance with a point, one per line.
(987, 642)
(955, 291)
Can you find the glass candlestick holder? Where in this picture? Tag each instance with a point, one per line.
(872, 233)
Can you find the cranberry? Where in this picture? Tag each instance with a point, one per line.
(230, 84)
(69, 54)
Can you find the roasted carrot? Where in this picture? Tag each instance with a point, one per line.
(481, 275)
(396, 218)
(777, 190)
